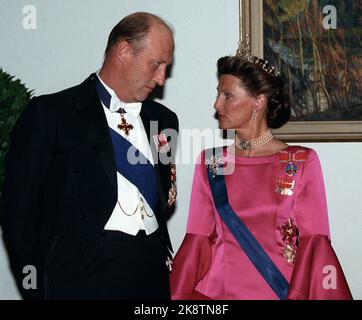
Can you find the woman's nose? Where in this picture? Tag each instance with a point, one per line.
(217, 104)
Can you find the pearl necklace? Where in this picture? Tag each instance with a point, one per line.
(253, 143)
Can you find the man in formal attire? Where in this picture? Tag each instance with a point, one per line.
(85, 195)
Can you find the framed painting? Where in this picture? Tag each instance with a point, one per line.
(317, 47)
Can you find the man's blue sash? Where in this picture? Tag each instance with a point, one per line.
(141, 174)
(243, 236)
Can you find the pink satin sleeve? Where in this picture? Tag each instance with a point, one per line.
(201, 218)
(191, 263)
(193, 259)
(317, 274)
(310, 204)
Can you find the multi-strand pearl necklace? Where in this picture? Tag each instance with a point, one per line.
(253, 143)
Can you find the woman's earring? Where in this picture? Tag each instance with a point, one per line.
(254, 114)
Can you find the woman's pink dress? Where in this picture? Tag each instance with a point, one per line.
(289, 219)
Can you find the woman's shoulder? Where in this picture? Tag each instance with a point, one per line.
(307, 150)
(302, 153)
(297, 152)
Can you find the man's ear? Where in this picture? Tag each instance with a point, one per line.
(123, 49)
(260, 102)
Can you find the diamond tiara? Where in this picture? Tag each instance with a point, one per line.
(245, 53)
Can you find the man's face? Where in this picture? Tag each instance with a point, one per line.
(146, 65)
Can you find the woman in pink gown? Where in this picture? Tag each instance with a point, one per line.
(277, 192)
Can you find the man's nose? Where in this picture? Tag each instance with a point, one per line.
(160, 76)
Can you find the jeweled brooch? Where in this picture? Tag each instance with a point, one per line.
(214, 163)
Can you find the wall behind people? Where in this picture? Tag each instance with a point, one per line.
(67, 43)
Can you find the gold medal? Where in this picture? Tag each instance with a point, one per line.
(124, 126)
(172, 192)
(285, 186)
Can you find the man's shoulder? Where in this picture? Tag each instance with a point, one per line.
(159, 108)
(59, 96)
(64, 94)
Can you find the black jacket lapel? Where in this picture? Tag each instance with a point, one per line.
(94, 122)
(147, 117)
(149, 114)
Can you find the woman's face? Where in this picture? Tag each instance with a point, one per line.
(233, 104)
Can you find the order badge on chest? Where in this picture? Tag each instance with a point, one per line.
(285, 183)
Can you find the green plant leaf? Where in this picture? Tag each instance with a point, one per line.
(14, 96)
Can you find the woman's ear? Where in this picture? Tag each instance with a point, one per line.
(260, 102)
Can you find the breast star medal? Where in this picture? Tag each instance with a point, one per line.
(289, 233)
(289, 230)
(289, 253)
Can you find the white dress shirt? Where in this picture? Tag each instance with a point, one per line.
(132, 212)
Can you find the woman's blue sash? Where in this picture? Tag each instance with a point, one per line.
(242, 234)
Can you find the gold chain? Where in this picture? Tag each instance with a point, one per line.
(142, 209)
(125, 211)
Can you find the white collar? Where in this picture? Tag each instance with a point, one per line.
(133, 108)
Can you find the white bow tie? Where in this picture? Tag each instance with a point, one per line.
(133, 109)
